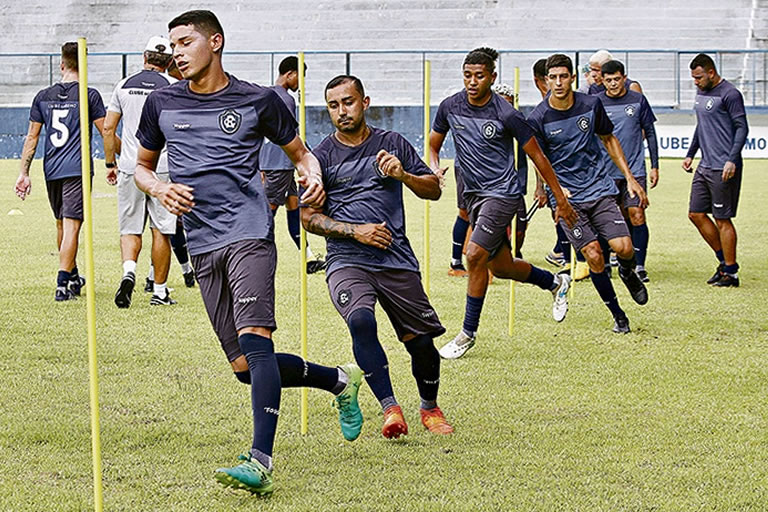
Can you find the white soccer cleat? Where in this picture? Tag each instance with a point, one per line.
(560, 305)
(458, 346)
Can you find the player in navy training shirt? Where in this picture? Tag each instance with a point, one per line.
(633, 120)
(58, 109)
(570, 126)
(214, 126)
(369, 256)
(721, 132)
(596, 61)
(484, 127)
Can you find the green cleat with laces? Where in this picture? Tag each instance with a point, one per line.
(350, 416)
(251, 476)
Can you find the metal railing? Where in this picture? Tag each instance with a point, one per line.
(395, 77)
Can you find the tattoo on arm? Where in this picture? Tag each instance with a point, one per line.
(26, 162)
(323, 225)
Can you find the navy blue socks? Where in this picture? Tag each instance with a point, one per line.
(640, 241)
(425, 367)
(293, 226)
(460, 228)
(720, 256)
(370, 355)
(541, 278)
(472, 314)
(605, 289)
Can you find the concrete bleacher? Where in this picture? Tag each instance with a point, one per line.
(334, 25)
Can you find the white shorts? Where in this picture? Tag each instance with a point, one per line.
(133, 205)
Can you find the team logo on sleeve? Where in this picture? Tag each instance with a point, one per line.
(710, 104)
(629, 110)
(229, 121)
(489, 130)
(583, 123)
(343, 297)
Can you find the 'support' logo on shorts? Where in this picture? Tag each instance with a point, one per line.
(247, 300)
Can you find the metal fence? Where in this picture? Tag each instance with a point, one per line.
(395, 78)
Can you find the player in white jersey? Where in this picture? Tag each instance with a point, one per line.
(133, 205)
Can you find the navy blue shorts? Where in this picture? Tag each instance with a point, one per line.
(600, 217)
(624, 199)
(279, 185)
(710, 194)
(66, 197)
(490, 218)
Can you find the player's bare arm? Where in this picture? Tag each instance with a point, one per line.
(175, 197)
(563, 210)
(613, 147)
(435, 143)
(23, 184)
(425, 186)
(376, 235)
(310, 175)
(109, 134)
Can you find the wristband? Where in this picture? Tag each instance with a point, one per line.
(110, 165)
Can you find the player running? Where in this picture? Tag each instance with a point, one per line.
(214, 125)
(484, 127)
(568, 125)
(369, 256)
(58, 109)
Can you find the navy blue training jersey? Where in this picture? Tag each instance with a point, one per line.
(631, 114)
(357, 192)
(715, 111)
(484, 139)
(213, 146)
(569, 139)
(58, 109)
(272, 157)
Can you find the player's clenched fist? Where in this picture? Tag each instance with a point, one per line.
(390, 165)
(376, 235)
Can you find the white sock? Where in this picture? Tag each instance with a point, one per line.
(159, 290)
(151, 275)
(310, 256)
(129, 266)
(186, 268)
(455, 263)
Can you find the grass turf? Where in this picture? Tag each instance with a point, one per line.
(557, 417)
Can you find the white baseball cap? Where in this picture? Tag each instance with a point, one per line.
(159, 44)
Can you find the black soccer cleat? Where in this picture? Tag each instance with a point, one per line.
(717, 275)
(315, 266)
(149, 286)
(635, 285)
(727, 280)
(63, 293)
(157, 300)
(643, 275)
(621, 324)
(76, 285)
(189, 279)
(125, 291)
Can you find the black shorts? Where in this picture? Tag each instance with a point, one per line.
(278, 185)
(398, 291)
(710, 194)
(461, 203)
(237, 283)
(490, 218)
(600, 217)
(623, 198)
(66, 197)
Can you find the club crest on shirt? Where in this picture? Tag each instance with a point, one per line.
(489, 130)
(629, 110)
(229, 121)
(583, 123)
(710, 103)
(343, 297)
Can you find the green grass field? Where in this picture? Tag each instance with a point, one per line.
(556, 417)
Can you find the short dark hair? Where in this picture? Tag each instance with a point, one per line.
(342, 79)
(485, 56)
(703, 61)
(611, 67)
(159, 59)
(69, 55)
(540, 68)
(559, 60)
(204, 22)
(289, 64)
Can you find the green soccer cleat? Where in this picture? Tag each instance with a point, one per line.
(350, 416)
(251, 476)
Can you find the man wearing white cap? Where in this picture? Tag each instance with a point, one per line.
(132, 204)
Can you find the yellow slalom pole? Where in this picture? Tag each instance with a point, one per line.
(427, 74)
(303, 251)
(513, 236)
(90, 293)
(573, 272)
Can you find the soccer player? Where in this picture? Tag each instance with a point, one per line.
(568, 126)
(278, 168)
(484, 127)
(133, 205)
(596, 61)
(214, 125)
(369, 256)
(721, 130)
(58, 108)
(633, 120)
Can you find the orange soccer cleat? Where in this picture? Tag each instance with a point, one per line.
(435, 422)
(394, 423)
